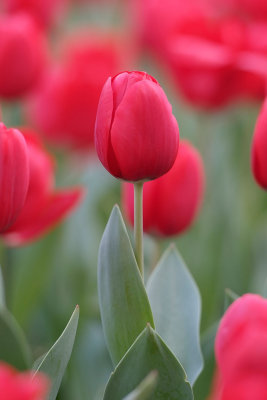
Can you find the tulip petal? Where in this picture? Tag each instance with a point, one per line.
(102, 129)
(143, 124)
(14, 175)
(58, 206)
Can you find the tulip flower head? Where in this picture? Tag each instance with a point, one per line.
(14, 175)
(22, 55)
(44, 206)
(259, 149)
(136, 134)
(172, 201)
(241, 351)
(21, 385)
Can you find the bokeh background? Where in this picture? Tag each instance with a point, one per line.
(210, 58)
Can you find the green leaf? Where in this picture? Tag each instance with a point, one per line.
(145, 389)
(148, 353)
(176, 306)
(124, 304)
(54, 363)
(14, 348)
(2, 290)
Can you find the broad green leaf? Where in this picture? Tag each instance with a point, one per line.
(14, 349)
(2, 290)
(230, 297)
(176, 306)
(148, 353)
(124, 304)
(54, 363)
(145, 389)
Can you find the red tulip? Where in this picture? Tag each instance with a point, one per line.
(172, 201)
(64, 108)
(14, 175)
(136, 134)
(22, 55)
(21, 385)
(218, 61)
(241, 351)
(259, 148)
(44, 12)
(44, 206)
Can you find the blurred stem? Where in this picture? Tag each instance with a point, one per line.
(138, 225)
(7, 272)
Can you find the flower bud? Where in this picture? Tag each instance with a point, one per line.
(22, 55)
(14, 175)
(259, 149)
(172, 201)
(136, 134)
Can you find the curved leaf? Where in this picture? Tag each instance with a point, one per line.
(176, 306)
(54, 363)
(149, 352)
(124, 304)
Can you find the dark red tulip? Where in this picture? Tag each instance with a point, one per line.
(45, 206)
(45, 13)
(172, 201)
(259, 149)
(14, 175)
(22, 55)
(22, 385)
(64, 107)
(136, 134)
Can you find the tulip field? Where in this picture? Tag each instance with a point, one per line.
(133, 208)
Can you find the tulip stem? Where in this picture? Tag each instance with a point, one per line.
(138, 225)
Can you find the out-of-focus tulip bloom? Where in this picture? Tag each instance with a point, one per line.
(217, 61)
(154, 20)
(136, 134)
(172, 201)
(45, 13)
(64, 108)
(259, 149)
(22, 55)
(16, 385)
(241, 351)
(14, 175)
(256, 9)
(213, 59)
(44, 206)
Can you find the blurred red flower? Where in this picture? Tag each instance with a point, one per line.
(14, 175)
(23, 54)
(172, 201)
(241, 351)
(21, 385)
(44, 12)
(214, 59)
(44, 206)
(64, 108)
(259, 148)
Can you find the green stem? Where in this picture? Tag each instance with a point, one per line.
(138, 225)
